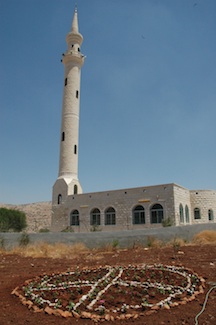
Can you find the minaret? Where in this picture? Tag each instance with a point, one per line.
(67, 182)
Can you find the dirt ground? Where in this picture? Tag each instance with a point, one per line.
(14, 270)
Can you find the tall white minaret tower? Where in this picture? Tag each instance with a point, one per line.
(67, 182)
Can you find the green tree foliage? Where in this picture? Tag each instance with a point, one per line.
(12, 220)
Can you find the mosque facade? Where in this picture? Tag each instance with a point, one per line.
(123, 209)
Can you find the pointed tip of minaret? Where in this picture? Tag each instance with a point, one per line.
(75, 28)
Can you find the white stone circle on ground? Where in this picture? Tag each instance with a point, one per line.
(116, 292)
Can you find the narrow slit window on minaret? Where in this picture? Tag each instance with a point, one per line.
(63, 136)
(59, 199)
(75, 149)
(77, 94)
(65, 81)
(75, 189)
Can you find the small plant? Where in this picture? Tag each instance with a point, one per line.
(153, 242)
(68, 229)
(2, 242)
(70, 306)
(124, 308)
(24, 239)
(101, 310)
(167, 222)
(44, 230)
(115, 243)
(95, 228)
(57, 304)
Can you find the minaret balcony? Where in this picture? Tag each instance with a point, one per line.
(73, 56)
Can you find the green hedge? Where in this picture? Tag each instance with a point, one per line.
(12, 220)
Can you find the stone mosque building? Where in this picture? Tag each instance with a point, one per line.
(123, 209)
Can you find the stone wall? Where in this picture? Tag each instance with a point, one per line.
(38, 215)
(205, 200)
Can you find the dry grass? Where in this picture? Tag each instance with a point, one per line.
(153, 242)
(57, 250)
(205, 237)
(176, 242)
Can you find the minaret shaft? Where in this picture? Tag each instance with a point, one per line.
(68, 165)
(67, 182)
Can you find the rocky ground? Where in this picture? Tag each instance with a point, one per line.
(14, 270)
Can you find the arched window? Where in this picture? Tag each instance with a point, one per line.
(75, 189)
(59, 198)
(63, 136)
(197, 214)
(110, 216)
(156, 213)
(95, 217)
(187, 217)
(75, 149)
(181, 213)
(210, 215)
(65, 81)
(74, 218)
(138, 215)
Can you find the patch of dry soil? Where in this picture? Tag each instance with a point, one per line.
(14, 270)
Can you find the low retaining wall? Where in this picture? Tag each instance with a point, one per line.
(125, 239)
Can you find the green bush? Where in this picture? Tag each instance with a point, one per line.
(12, 220)
(2, 242)
(44, 230)
(24, 239)
(167, 222)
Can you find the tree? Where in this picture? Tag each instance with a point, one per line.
(12, 220)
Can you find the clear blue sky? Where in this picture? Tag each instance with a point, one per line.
(148, 94)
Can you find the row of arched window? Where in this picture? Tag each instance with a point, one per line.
(184, 214)
(138, 216)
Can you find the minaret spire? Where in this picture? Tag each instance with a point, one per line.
(67, 182)
(75, 28)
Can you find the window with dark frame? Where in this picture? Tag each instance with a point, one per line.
(157, 213)
(187, 217)
(210, 215)
(95, 217)
(181, 213)
(74, 218)
(197, 214)
(110, 216)
(138, 215)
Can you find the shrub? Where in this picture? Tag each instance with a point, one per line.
(2, 242)
(167, 222)
(68, 229)
(44, 230)
(153, 242)
(12, 220)
(205, 237)
(24, 239)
